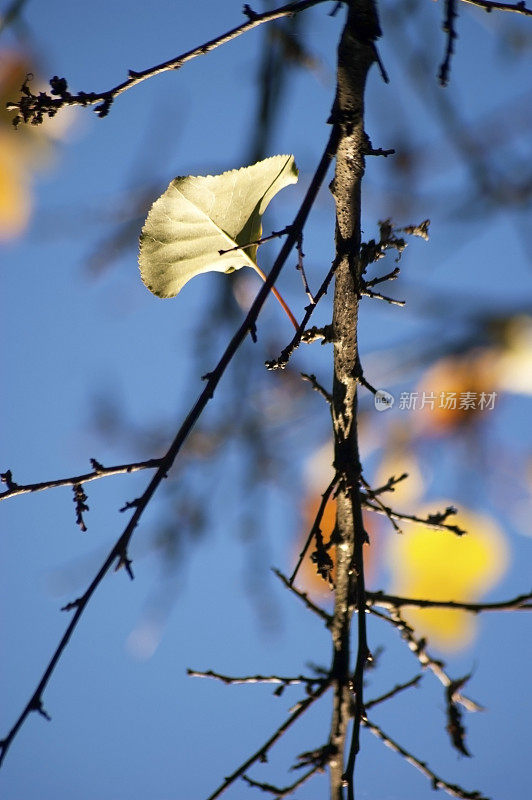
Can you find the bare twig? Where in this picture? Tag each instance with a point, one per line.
(390, 276)
(257, 242)
(434, 521)
(299, 336)
(519, 603)
(378, 296)
(304, 597)
(401, 687)
(301, 268)
(385, 509)
(277, 679)
(315, 527)
(34, 108)
(488, 5)
(98, 472)
(317, 386)
(390, 484)
(284, 791)
(436, 782)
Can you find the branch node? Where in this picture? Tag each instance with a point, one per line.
(250, 14)
(7, 478)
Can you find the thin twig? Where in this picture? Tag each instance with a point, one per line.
(315, 526)
(99, 471)
(436, 782)
(301, 268)
(304, 597)
(434, 521)
(390, 484)
(257, 242)
(283, 359)
(277, 679)
(390, 276)
(378, 296)
(519, 603)
(33, 108)
(317, 386)
(401, 687)
(119, 552)
(385, 509)
(284, 791)
(488, 5)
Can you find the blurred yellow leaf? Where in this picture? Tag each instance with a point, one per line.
(15, 198)
(437, 565)
(22, 151)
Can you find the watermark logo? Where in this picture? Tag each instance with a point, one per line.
(452, 401)
(383, 400)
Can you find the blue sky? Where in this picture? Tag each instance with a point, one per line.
(128, 727)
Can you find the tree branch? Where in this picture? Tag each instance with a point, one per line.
(488, 5)
(356, 54)
(99, 471)
(315, 527)
(519, 603)
(34, 108)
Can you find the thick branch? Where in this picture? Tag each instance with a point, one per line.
(356, 53)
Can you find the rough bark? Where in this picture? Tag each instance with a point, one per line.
(356, 53)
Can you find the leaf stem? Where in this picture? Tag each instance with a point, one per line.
(279, 297)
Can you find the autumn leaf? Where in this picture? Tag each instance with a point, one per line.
(199, 216)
